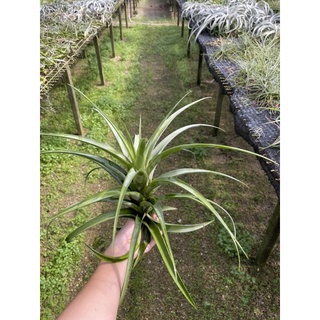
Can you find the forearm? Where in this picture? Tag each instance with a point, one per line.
(99, 299)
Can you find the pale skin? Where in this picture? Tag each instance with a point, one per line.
(99, 298)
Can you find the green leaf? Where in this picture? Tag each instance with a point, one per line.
(163, 126)
(100, 196)
(106, 258)
(103, 146)
(192, 197)
(177, 172)
(135, 241)
(159, 213)
(126, 184)
(182, 228)
(161, 145)
(124, 213)
(140, 159)
(146, 238)
(181, 147)
(112, 168)
(206, 203)
(169, 263)
(124, 142)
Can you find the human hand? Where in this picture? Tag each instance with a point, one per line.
(122, 241)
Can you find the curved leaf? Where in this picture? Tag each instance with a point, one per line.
(112, 168)
(174, 134)
(169, 263)
(175, 149)
(124, 143)
(106, 258)
(103, 146)
(175, 173)
(146, 238)
(182, 228)
(135, 241)
(163, 126)
(206, 203)
(159, 213)
(124, 213)
(126, 183)
(192, 197)
(100, 196)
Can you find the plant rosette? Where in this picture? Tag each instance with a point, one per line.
(132, 165)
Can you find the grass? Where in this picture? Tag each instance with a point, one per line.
(149, 74)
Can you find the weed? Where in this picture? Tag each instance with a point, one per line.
(245, 238)
(200, 152)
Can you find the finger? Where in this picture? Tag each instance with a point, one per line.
(150, 245)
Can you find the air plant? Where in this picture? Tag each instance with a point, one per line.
(257, 71)
(133, 166)
(268, 29)
(65, 25)
(258, 67)
(79, 10)
(275, 121)
(234, 18)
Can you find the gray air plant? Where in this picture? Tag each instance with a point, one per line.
(133, 165)
(232, 19)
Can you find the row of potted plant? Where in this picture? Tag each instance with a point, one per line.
(232, 18)
(247, 33)
(65, 25)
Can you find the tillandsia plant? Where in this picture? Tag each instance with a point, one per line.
(133, 165)
(232, 18)
(64, 26)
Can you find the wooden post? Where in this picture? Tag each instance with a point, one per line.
(112, 40)
(270, 237)
(96, 45)
(199, 66)
(125, 12)
(130, 7)
(73, 101)
(217, 116)
(120, 21)
(134, 6)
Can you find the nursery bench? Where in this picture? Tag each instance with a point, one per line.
(252, 123)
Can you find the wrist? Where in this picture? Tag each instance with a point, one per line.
(115, 251)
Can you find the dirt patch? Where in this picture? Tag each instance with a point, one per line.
(153, 11)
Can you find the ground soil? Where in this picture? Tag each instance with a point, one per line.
(220, 291)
